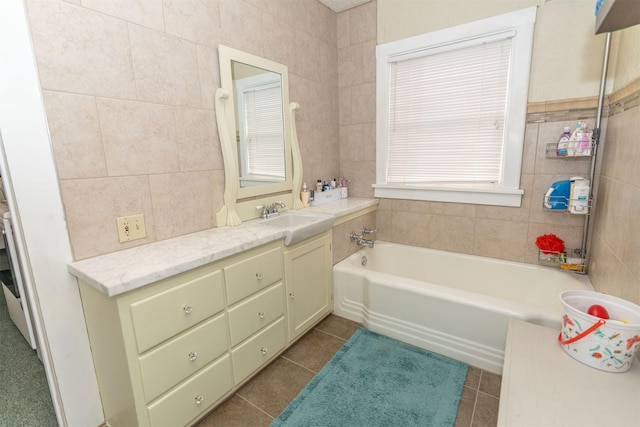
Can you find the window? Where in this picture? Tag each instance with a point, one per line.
(452, 112)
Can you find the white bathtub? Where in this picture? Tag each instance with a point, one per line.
(453, 304)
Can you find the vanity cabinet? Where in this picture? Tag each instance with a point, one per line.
(309, 283)
(161, 352)
(170, 351)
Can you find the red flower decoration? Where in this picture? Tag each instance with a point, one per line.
(550, 244)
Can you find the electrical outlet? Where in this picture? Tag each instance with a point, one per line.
(131, 227)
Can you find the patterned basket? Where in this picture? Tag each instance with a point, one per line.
(606, 344)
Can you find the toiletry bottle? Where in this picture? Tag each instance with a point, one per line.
(573, 141)
(563, 142)
(579, 196)
(305, 196)
(333, 183)
(319, 186)
(584, 141)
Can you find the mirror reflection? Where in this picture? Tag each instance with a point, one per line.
(259, 116)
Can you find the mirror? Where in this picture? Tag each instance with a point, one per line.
(259, 116)
(257, 134)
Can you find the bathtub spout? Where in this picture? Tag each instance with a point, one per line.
(361, 240)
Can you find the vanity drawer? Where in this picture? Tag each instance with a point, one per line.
(168, 313)
(250, 275)
(172, 362)
(257, 351)
(189, 399)
(255, 313)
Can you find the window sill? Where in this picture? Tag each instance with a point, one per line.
(480, 195)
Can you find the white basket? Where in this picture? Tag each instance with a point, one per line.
(609, 345)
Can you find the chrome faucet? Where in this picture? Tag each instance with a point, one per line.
(361, 240)
(270, 210)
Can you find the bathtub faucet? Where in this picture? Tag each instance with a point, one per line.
(361, 240)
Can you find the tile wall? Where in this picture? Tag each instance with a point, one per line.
(615, 244)
(128, 90)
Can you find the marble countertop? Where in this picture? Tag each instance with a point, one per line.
(129, 269)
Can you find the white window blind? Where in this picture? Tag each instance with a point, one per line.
(447, 114)
(264, 131)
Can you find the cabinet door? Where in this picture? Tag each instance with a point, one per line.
(309, 283)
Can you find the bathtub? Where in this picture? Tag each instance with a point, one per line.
(453, 304)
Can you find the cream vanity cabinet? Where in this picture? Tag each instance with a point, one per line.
(168, 352)
(309, 283)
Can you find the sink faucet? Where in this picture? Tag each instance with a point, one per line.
(270, 210)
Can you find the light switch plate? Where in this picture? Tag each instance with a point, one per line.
(131, 227)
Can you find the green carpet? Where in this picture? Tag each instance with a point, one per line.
(25, 400)
(377, 381)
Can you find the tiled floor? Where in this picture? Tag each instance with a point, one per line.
(259, 401)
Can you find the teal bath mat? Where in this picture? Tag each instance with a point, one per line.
(378, 381)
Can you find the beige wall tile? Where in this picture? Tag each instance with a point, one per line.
(363, 23)
(343, 29)
(609, 275)
(92, 206)
(139, 138)
(166, 68)
(363, 103)
(350, 65)
(147, 13)
(209, 72)
(75, 135)
(182, 203)
(194, 20)
(197, 137)
(455, 209)
(411, 228)
(81, 51)
(500, 239)
(452, 233)
(241, 25)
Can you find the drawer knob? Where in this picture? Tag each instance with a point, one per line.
(187, 309)
(259, 276)
(261, 315)
(199, 399)
(292, 295)
(193, 356)
(264, 350)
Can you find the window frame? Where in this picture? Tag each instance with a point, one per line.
(507, 191)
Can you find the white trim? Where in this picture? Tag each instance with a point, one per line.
(479, 196)
(522, 22)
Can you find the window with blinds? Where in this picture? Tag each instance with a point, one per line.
(447, 113)
(451, 112)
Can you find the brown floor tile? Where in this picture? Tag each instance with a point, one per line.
(314, 350)
(338, 326)
(465, 410)
(275, 386)
(236, 412)
(486, 411)
(490, 383)
(473, 378)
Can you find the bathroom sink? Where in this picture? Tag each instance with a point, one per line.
(298, 226)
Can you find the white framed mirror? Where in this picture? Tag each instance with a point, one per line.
(257, 135)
